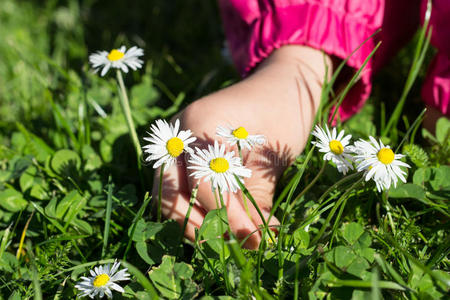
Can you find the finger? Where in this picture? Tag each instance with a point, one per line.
(176, 197)
(240, 223)
(261, 189)
(177, 208)
(273, 223)
(267, 164)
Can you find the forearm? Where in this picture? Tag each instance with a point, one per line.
(283, 94)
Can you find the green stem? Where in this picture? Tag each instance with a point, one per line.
(125, 105)
(222, 239)
(252, 200)
(158, 215)
(291, 206)
(244, 199)
(191, 204)
(388, 211)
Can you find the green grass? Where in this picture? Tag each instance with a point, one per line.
(71, 195)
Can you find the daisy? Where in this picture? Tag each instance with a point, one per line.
(218, 166)
(380, 163)
(102, 281)
(117, 58)
(335, 146)
(167, 142)
(240, 136)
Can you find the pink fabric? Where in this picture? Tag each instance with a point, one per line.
(255, 28)
(436, 88)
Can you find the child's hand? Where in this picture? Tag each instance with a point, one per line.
(278, 101)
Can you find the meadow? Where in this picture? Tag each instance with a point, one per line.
(74, 195)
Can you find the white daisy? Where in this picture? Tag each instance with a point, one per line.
(240, 136)
(335, 146)
(117, 58)
(102, 281)
(167, 143)
(380, 163)
(219, 167)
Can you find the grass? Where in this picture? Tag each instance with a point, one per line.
(71, 194)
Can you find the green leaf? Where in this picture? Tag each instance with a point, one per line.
(50, 209)
(174, 280)
(364, 240)
(31, 180)
(368, 253)
(139, 233)
(301, 239)
(358, 266)
(69, 201)
(27, 178)
(343, 256)
(217, 298)
(421, 176)
(352, 232)
(12, 200)
(8, 262)
(91, 158)
(20, 166)
(35, 145)
(83, 225)
(145, 230)
(65, 161)
(39, 189)
(141, 248)
(153, 239)
(360, 295)
(15, 296)
(408, 190)
(443, 130)
(440, 180)
(210, 228)
(106, 146)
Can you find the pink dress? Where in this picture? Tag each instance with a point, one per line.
(255, 28)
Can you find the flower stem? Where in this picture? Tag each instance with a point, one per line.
(221, 206)
(244, 199)
(125, 105)
(158, 214)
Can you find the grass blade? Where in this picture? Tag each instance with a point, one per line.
(138, 216)
(34, 273)
(421, 49)
(107, 217)
(142, 279)
(352, 82)
(365, 284)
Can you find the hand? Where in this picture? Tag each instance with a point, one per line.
(279, 100)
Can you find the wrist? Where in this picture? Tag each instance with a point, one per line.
(298, 58)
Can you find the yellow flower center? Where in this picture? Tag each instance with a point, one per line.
(115, 55)
(175, 146)
(336, 147)
(219, 165)
(240, 133)
(385, 155)
(101, 280)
